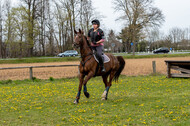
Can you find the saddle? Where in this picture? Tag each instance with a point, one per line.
(105, 57)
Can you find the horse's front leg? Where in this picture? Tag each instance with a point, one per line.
(90, 75)
(81, 78)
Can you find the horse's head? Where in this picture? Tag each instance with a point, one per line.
(78, 40)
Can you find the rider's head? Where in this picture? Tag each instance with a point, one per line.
(96, 24)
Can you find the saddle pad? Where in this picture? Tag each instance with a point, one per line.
(106, 58)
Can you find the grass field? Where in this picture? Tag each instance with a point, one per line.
(142, 100)
(65, 59)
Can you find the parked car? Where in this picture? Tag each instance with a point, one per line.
(68, 53)
(161, 50)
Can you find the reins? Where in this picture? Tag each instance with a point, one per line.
(84, 62)
(89, 54)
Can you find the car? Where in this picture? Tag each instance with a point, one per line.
(68, 53)
(161, 50)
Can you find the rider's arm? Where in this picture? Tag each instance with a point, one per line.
(102, 36)
(101, 41)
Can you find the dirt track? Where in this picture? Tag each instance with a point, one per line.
(133, 67)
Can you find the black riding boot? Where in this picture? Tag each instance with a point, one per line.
(102, 64)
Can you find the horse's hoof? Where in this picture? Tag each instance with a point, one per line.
(76, 101)
(104, 94)
(87, 94)
(103, 99)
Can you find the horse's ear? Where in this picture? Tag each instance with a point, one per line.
(81, 32)
(75, 31)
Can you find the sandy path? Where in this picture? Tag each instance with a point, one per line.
(136, 67)
(133, 67)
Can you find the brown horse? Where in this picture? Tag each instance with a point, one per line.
(89, 67)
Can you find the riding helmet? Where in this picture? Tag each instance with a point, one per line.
(96, 22)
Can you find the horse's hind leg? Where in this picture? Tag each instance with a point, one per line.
(85, 91)
(105, 80)
(105, 94)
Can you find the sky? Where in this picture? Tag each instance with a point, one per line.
(176, 12)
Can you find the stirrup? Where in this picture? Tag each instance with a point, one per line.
(103, 69)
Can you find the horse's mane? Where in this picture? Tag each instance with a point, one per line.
(88, 43)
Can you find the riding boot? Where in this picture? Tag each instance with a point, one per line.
(102, 64)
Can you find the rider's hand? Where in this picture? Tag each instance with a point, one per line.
(94, 43)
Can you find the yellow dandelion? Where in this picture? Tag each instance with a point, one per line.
(141, 105)
(171, 112)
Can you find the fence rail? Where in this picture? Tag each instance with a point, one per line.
(31, 68)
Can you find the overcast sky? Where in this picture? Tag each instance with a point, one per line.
(176, 12)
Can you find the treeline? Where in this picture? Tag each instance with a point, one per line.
(45, 27)
(176, 39)
(141, 32)
(41, 27)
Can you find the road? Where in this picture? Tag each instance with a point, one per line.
(116, 54)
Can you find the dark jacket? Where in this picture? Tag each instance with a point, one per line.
(96, 36)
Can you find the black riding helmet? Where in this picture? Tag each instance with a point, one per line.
(96, 22)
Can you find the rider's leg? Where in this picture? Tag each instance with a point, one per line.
(101, 60)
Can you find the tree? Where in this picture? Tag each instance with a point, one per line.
(9, 30)
(41, 27)
(138, 14)
(19, 22)
(61, 27)
(1, 30)
(32, 15)
(113, 43)
(42, 24)
(86, 14)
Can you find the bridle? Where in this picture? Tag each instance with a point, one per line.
(84, 56)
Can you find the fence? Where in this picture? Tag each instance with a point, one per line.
(31, 68)
(31, 72)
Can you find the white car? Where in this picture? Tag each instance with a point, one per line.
(68, 53)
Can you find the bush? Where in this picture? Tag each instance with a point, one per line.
(51, 79)
(6, 82)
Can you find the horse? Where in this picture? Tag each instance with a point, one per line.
(88, 67)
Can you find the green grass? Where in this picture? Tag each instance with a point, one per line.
(65, 59)
(149, 100)
(155, 56)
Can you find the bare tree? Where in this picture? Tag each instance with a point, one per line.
(86, 14)
(50, 32)
(113, 42)
(32, 15)
(42, 24)
(69, 6)
(42, 27)
(9, 33)
(1, 31)
(62, 26)
(138, 14)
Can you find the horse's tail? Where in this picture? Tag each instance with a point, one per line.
(121, 67)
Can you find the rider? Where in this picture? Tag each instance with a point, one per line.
(96, 35)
